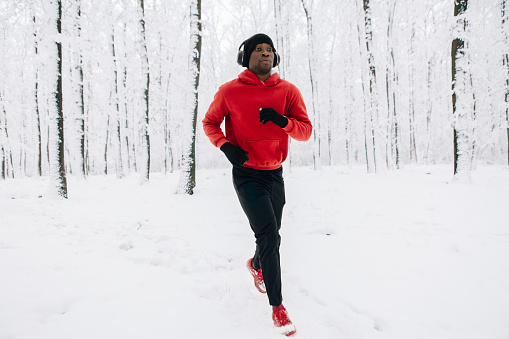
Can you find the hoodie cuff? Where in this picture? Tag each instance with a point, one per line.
(288, 128)
(221, 142)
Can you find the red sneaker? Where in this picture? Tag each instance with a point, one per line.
(282, 323)
(257, 275)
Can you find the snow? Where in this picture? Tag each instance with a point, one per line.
(406, 254)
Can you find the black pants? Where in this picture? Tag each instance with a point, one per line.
(262, 197)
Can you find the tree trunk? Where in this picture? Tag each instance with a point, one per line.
(168, 147)
(281, 22)
(57, 164)
(460, 99)
(411, 102)
(106, 144)
(36, 102)
(118, 138)
(81, 106)
(317, 157)
(2, 162)
(80, 95)
(188, 174)
(129, 144)
(282, 19)
(3, 141)
(370, 168)
(145, 174)
(505, 61)
(429, 110)
(391, 79)
(372, 118)
(350, 102)
(332, 111)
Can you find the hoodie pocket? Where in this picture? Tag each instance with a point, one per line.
(263, 153)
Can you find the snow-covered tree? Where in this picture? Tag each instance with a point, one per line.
(128, 101)
(307, 5)
(58, 183)
(145, 167)
(462, 102)
(188, 174)
(505, 61)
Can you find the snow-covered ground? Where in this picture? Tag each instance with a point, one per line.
(406, 254)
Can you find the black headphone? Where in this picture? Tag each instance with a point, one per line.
(243, 62)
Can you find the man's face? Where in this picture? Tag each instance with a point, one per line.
(262, 59)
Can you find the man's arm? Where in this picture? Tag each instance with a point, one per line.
(299, 126)
(214, 118)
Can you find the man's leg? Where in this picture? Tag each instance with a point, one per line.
(261, 195)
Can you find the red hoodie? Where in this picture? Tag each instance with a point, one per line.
(238, 102)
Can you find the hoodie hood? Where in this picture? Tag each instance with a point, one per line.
(249, 77)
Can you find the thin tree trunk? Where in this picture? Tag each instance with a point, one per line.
(329, 122)
(473, 132)
(460, 98)
(145, 175)
(411, 102)
(188, 174)
(3, 141)
(429, 110)
(281, 18)
(118, 138)
(317, 157)
(57, 150)
(81, 99)
(168, 147)
(505, 61)
(281, 36)
(349, 80)
(370, 168)
(36, 99)
(395, 117)
(2, 162)
(86, 156)
(392, 152)
(130, 145)
(106, 143)
(372, 118)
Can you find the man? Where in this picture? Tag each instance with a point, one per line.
(261, 111)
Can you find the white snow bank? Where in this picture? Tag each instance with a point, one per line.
(405, 255)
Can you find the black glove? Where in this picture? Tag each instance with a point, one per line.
(235, 154)
(270, 114)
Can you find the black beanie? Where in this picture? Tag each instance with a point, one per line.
(251, 43)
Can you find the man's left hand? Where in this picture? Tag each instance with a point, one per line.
(270, 114)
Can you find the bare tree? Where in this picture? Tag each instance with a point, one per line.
(371, 104)
(3, 141)
(56, 142)
(80, 97)
(168, 147)
(391, 79)
(116, 99)
(317, 158)
(36, 99)
(188, 174)
(505, 61)
(412, 98)
(282, 39)
(461, 101)
(128, 142)
(145, 174)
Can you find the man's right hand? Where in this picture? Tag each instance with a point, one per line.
(235, 154)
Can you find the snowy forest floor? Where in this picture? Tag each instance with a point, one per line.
(406, 254)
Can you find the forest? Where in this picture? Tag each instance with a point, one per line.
(120, 87)
(395, 223)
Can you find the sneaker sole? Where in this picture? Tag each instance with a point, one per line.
(260, 289)
(287, 330)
